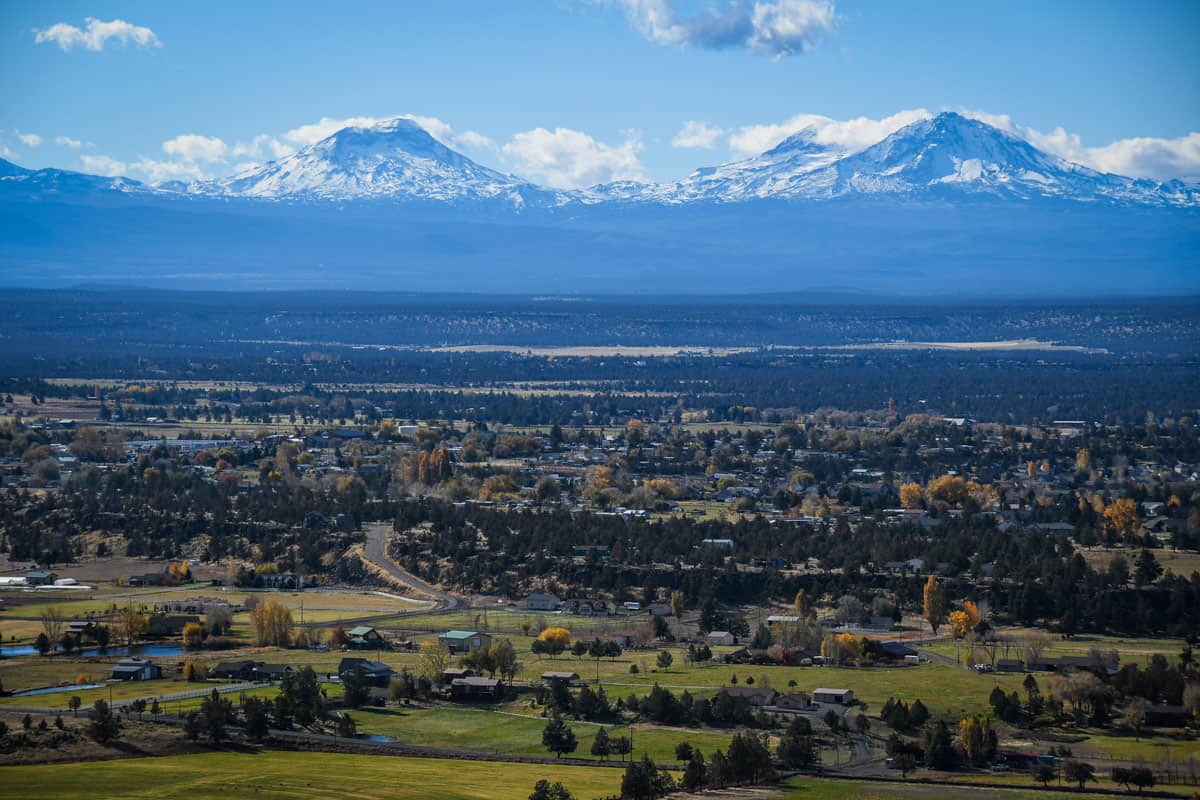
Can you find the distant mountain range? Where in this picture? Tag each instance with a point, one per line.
(943, 199)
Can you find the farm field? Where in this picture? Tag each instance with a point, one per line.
(1136, 649)
(500, 619)
(1178, 561)
(19, 619)
(286, 776)
(510, 733)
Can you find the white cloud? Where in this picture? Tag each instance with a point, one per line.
(145, 169)
(569, 159)
(6, 152)
(327, 126)
(1157, 159)
(194, 147)
(103, 165)
(96, 34)
(262, 147)
(30, 139)
(776, 27)
(473, 140)
(696, 134)
(67, 141)
(849, 135)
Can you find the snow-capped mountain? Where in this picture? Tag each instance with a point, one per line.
(946, 202)
(396, 159)
(951, 153)
(938, 158)
(61, 182)
(774, 173)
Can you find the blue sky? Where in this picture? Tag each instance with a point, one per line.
(571, 92)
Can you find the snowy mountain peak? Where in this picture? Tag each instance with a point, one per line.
(395, 159)
(803, 141)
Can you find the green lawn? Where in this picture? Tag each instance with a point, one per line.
(291, 776)
(1122, 746)
(1135, 649)
(500, 619)
(943, 689)
(509, 733)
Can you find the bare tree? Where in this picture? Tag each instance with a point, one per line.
(52, 626)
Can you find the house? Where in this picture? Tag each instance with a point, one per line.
(41, 578)
(793, 701)
(280, 580)
(270, 672)
(1098, 663)
(755, 695)
(1010, 665)
(366, 637)
(837, 697)
(565, 678)
(148, 579)
(234, 670)
(1167, 716)
(476, 689)
(722, 544)
(377, 674)
(135, 669)
(783, 619)
(897, 651)
(465, 641)
(170, 624)
(542, 602)
(587, 608)
(451, 674)
(721, 638)
(658, 610)
(78, 627)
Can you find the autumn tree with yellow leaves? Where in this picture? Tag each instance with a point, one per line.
(960, 624)
(950, 489)
(910, 495)
(1123, 517)
(272, 624)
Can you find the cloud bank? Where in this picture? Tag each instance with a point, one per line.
(96, 34)
(570, 159)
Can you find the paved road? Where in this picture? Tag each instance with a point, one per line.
(376, 552)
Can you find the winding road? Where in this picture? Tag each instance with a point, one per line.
(375, 551)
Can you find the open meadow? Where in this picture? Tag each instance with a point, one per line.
(285, 776)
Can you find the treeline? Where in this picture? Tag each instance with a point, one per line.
(1033, 577)
(754, 386)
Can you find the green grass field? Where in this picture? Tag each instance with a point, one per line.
(510, 733)
(1136, 649)
(291, 776)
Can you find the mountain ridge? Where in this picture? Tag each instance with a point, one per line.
(942, 157)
